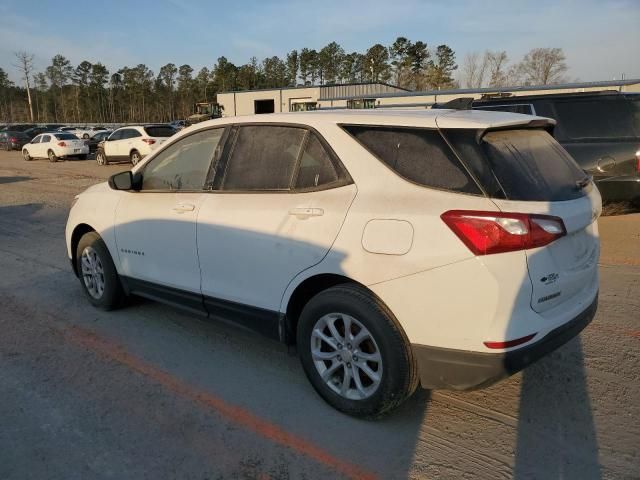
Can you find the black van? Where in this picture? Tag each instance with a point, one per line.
(601, 130)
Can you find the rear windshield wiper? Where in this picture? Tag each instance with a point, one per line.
(581, 184)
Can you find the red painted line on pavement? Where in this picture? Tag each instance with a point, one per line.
(239, 415)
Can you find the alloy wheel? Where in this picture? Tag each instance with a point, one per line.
(92, 272)
(346, 356)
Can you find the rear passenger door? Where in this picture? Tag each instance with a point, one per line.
(278, 198)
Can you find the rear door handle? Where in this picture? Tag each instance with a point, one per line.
(184, 207)
(305, 212)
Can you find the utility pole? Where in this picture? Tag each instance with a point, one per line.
(25, 65)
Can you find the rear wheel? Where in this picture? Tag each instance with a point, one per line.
(135, 157)
(98, 275)
(52, 156)
(25, 155)
(354, 352)
(101, 158)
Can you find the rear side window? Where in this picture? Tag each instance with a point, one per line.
(160, 131)
(263, 158)
(608, 118)
(524, 108)
(416, 154)
(530, 165)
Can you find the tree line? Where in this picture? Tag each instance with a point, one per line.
(90, 92)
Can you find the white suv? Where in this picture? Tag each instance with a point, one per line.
(448, 247)
(132, 143)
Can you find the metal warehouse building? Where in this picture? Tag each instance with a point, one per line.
(382, 95)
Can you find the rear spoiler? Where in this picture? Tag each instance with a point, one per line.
(548, 124)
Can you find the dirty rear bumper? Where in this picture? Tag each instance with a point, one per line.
(442, 368)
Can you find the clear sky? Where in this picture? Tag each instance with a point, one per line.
(601, 38)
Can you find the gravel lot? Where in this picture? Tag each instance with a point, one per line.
(149, 392)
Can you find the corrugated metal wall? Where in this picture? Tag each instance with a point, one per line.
(333, 91)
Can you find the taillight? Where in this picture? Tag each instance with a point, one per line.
(638, 161)
(13, 140)
(149, 141)
(510, 343)
(486, 233)
(62, 144)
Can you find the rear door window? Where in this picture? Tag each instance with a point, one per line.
(263, 158)
(419, 155)
(316, 167)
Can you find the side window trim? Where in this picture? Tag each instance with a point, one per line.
(343, 174)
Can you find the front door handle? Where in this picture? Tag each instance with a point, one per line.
(305, 212)
(184, 207)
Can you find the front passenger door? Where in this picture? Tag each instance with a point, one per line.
(111, 145)
(156, 226)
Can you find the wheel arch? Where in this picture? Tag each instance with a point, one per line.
(78, 232)
(304, 292)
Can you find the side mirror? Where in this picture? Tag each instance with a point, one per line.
(125, 181)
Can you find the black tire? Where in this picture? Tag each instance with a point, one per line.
(85, 136)
(112, 295)
(399, 377)
(101, 158)
(82, 157)
(25, 155)
(52, 156)
(135, 157)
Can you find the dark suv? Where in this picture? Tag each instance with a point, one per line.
(600, 130)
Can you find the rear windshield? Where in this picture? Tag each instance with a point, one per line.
(66, 136)
(160, 131)
(602, 118)
(524, 165)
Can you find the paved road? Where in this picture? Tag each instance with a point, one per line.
(149, 392)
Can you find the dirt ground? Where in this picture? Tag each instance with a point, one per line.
(150, 392)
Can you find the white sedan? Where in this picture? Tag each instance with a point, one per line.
(54, 146)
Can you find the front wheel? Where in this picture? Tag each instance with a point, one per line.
(52, 156)
(98, 275)
(25, 155)
(135, 157)
(354, 352)
(101, 158)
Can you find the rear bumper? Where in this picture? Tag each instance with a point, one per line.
(442, 368)
(619, 189)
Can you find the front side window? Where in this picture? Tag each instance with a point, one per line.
(263, 158)
(183, 165)
(35, 140)
(419, 155)
(117, 135)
